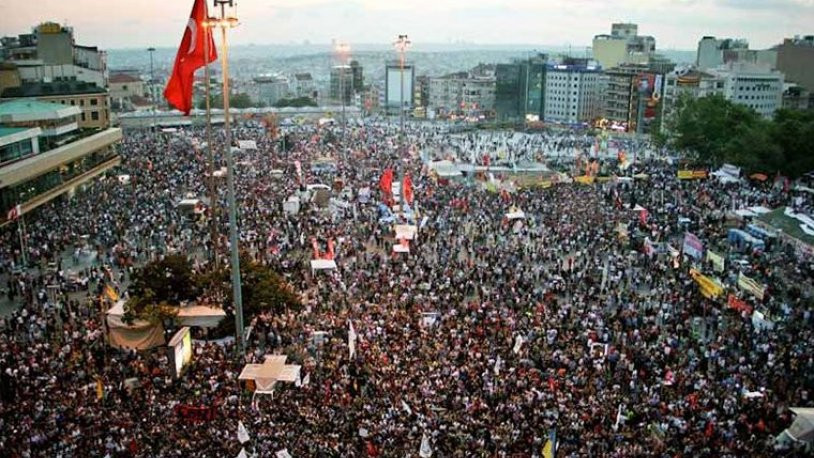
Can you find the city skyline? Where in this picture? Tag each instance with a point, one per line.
(676, 24)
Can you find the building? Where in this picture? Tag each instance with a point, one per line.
(50, 54)
(341, 86)
(520, 89)
(629, 88)
(358, 76)
(752, 85)
(623, 46)
(45, 154)
(422, 91)
(714, 52)
(92, 100)
(396, 82)
(620, 96)
(687, 82)
(573, 92)
(304, 85)
(796, 97)
(268, 89)
(123, 88)
(462, 93)
(795, 58)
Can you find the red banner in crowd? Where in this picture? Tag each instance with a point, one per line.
(738, 304)
(196, 414)
(407, 189)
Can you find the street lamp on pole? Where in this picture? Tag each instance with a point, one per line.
(402, 44)
(151, 50)
(342, 51)
(227, 22)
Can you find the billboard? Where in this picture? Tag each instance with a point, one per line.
(393, 85)
(181, 345)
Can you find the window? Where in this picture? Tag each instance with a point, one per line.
(82, 103)
(83, 116)
(94, 115)
(124, 87)
(94, 102)
(73, 102)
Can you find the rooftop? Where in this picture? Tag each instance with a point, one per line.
(10, 135)
(51, 89)
(33, 110)
(4, 131)
(123, 78)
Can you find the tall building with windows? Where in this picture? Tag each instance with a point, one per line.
(462, 93)
(752, 85)
(624, 45)
(50, 54)
(795, 58)
(520, 89)
(342, 82)
(46, 154)
(93, 101)
(573, 92)
(714, 52)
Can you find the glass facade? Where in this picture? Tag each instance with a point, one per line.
(24, 192)
(15, 151)
(517, 84)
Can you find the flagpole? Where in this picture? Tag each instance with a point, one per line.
(213, 198)
(228, 22)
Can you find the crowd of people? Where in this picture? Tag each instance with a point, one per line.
(489, 338)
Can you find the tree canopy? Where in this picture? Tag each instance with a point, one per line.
(297, 102)
(716, 130)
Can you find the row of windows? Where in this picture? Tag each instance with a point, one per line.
(93, 102)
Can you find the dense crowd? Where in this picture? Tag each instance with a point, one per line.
(551, 324)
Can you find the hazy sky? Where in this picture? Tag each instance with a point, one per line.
(676, 24)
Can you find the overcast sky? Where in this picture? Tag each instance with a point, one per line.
(676, 24)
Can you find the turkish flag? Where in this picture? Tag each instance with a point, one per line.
(407, 189)
(190, 57)
(386, 183)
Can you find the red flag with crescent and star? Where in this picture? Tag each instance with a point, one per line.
(190, 57)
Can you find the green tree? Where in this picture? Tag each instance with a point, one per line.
(706, 126)
(262, 289)
(239, 100)
(793, 131)
(298, 102)
(168, 280)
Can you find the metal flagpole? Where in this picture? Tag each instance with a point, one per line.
(21, 231)
(224, 23)
(213, 197)
(151, 50)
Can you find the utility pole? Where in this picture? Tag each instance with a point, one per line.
(151, 50)
(342, 51)
(402, 45)
(210, 156)
(226, 22)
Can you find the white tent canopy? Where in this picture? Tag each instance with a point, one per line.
(323, 264)
(200, 316)
(138, 335)
(803, 427)
(273, 370)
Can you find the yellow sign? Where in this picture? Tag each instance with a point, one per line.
(584, 179)
(710, 288)
(691, 174)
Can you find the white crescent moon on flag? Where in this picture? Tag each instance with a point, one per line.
(193, 30)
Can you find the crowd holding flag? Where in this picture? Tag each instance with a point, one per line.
(351, 340)
(190, 58)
